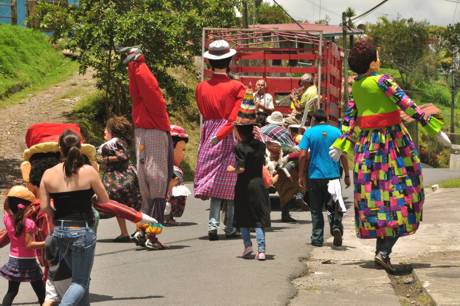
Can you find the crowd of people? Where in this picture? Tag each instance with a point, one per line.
(246, 149)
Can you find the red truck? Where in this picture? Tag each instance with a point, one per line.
(280, 58)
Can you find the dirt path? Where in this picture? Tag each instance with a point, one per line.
(50, 105)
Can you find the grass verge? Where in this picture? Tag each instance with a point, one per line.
(28, 63)
(452, 183)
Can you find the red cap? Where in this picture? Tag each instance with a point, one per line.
(49, 132)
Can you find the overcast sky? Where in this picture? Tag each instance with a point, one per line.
(438, 12)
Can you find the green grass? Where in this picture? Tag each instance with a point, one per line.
(28, 62)
(452, 183)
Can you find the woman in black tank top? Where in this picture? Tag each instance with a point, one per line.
(71, 185)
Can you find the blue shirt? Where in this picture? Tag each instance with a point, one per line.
(318, 139)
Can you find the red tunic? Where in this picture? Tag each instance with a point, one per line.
(149, 105)
(220, 98)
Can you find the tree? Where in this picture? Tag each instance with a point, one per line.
(271, 14)
(168, 31)
(402, 44)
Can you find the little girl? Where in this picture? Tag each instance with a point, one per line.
(22, 265)
(252, 206)
(120, 178)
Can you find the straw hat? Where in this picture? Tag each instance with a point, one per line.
(276, 118)
(21, 192)
(219, 49)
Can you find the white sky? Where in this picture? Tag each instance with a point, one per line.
(438, 12)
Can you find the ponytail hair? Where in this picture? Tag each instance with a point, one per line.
(70, 144)
(17, 207)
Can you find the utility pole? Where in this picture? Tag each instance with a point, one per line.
(345, 56)
(453, 72)
(245, 14)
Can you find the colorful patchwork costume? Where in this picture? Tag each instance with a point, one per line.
(389, 194)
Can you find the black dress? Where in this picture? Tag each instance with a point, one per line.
(252, 204)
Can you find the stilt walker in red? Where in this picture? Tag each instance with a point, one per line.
(154, 149)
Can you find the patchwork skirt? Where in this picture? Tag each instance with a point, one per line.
(388, 184)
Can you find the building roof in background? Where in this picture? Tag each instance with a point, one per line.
(428, 109)
(327, 29)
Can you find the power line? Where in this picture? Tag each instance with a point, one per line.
(292, 18)
(324, 9)
(369, 11)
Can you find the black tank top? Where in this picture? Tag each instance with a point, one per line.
(73, 205)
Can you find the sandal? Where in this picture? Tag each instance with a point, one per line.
(121, 239)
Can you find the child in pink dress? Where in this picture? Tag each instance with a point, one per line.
(22, 264)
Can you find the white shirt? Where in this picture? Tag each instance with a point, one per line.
(266, 100)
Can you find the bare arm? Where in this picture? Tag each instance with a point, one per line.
(45, 197)
(303, 161)
(31, 243)
(346, 169)
(97, 186)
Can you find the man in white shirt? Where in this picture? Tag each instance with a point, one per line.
(263, 102)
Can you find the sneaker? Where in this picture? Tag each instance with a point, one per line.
(286, 218)
(154, 245)
(385, 263)
(260, 256)
(212, 235)
(139, 238)
(316, 244)
(247, 252)
(232, 235)
(337, 233)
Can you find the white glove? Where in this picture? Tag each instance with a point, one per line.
(443, 139)
(148, 219)
(335, 153)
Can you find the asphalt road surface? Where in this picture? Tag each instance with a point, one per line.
(195, 271)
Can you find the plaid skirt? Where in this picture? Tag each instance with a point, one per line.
(211, 177)
(21, 270)
(388, 183)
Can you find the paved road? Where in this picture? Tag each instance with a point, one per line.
(194, 271)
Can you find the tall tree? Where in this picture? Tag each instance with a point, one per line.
(271, 14)
(168, 31)
(402, 44)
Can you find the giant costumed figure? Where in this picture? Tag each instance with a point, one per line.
(387, 174)
(43, 153)
(154, 146)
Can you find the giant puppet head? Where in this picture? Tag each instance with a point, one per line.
(43, 150)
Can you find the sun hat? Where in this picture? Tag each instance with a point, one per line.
(178, 131)
(21, 192)
(247, 113)
(276, 118)
(219, 49)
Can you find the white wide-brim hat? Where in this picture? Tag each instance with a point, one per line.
(219, 49)
(276, 118)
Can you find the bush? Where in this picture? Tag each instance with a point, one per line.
(435, 92)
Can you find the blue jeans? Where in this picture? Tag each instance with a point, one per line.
(76, 247)
(260, 237)
(385, 245)
(214, 215)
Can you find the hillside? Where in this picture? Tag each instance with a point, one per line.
(27, 60)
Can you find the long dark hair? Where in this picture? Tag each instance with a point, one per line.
(13, 204)
(246, 132)
(69, 142)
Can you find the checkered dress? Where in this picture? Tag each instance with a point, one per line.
(211, 177)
